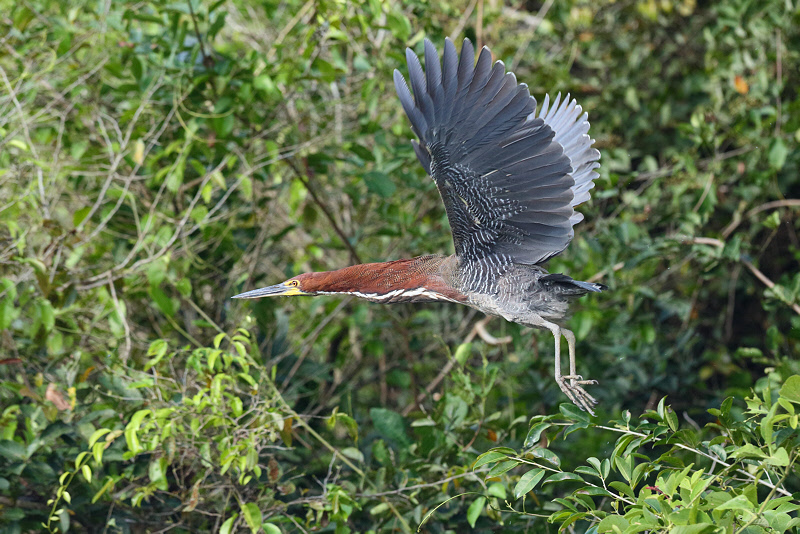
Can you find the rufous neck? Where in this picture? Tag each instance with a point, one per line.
(408, 280)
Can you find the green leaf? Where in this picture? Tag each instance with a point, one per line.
(107, 486)
(264, 82)
(158, 349)
(8, 312)
(350, 424)
(157, 470)
(380, 183)
(748, 451)
(697, 528)
(777, 153)
(487, 458)
(463, 352)
(590, 490)
(594, 462)
(390, 425)
(545, 454)
(502, 467)
(672, 419)
(184, 286)
(573, 412)
(583, 470)
(779, 458)
(474, 510)
(534, 434)
(224, 125)
(252, 515)
(138, 417)
(97, 434)
(162, 301)
(740, 502)
(12, 450)
(46, 315)
(353, 453)
(87, 472)
(228, 524)
(269, 528)
(497, 490)
(622, 488)
(563, 477)
(609, 522)
(527, 482)
(791, 389)
(79, 216)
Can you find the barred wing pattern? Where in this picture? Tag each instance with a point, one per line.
(509, 177)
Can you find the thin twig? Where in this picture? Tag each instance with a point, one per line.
(650, 177)
(309, 341)
(288, 409)
(31, 145)
(766, 281)
(286, 29)
(737, 220)
(476, 331)
(534, 24)
(779, 76)
(752, 268)
(123, 319)
(462, 22)
(706, 190)
(328, 215)
(119, 270)
(479, 26)
(731, 302)
(197, 34)
(425, 485)
(480, 327)
(600, 274)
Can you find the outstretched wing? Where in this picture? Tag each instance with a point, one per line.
(509, 177)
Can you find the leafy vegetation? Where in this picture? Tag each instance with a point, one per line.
(157, 158)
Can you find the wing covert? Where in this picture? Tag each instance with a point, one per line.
(509, 177)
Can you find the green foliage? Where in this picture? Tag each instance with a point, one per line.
(663, 478)
(159, 157)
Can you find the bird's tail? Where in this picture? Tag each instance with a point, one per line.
(571, 287)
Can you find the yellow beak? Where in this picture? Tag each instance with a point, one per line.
(286, 289)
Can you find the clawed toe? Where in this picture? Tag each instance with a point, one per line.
(578, 380)
(576, 393)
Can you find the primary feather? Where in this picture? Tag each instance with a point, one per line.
(509, 176)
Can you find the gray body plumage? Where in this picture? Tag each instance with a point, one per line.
(510, 177)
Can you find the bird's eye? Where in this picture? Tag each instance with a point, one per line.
(294, 283)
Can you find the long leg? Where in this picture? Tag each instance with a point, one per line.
(570, 337)
(571, 389)
(574, 377)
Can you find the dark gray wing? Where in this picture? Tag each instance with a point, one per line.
(508, 180)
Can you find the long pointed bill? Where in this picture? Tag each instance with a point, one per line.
(271, 291)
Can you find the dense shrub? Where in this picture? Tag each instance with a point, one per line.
(157, 158)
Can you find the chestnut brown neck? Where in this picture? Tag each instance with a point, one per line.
(421, 279)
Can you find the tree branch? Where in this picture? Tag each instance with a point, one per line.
(328, 215)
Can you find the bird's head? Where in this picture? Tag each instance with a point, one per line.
(298, 285)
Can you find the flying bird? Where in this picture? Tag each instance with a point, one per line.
(510, 178)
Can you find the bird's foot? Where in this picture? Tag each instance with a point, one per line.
(578, 380)
(571, 386)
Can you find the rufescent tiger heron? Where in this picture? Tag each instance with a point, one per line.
(510, 178)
